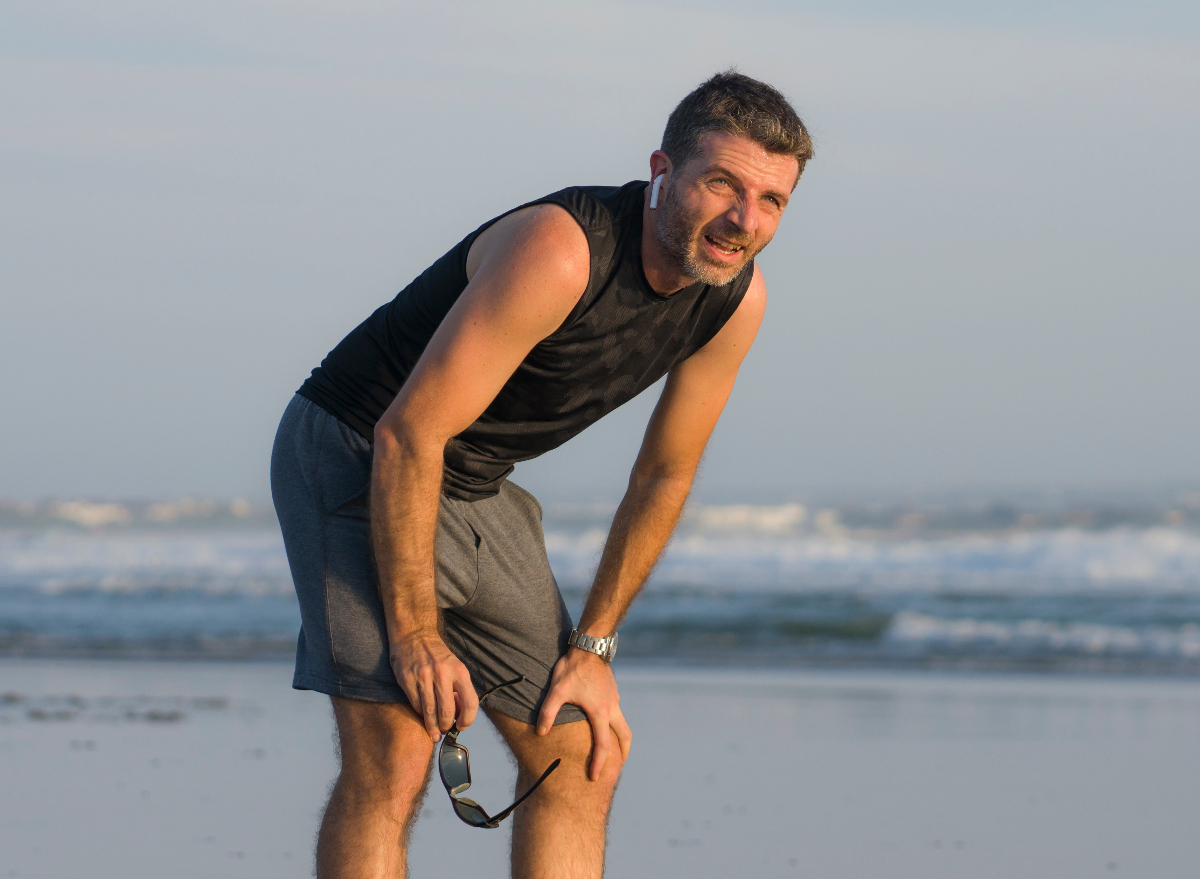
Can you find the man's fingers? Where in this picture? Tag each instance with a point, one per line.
(468, 701)
(428, 706)
(409, 685)
(549, 711)
(601, 745)
(445, 702)
(624, 733)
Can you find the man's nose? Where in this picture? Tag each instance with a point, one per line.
(744, 215)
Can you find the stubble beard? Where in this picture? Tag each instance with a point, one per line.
(680, 235)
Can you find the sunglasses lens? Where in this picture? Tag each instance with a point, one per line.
(456, 772)
(470, 812)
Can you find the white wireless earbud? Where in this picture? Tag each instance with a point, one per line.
(654, 192)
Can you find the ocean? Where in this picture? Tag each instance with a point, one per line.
(740, 585)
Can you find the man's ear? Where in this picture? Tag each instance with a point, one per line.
(660, 171)
(660, 164)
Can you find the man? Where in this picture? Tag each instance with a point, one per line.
(421, 570)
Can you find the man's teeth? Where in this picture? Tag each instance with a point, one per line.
(723, 245)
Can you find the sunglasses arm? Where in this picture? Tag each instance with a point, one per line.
(498, 818)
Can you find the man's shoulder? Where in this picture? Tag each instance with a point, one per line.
(540, 238)
(580, 225)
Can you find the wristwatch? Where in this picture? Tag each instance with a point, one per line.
(605, 648)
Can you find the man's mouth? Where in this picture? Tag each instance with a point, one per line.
(723, 246)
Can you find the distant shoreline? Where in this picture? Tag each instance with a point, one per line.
(991, 667)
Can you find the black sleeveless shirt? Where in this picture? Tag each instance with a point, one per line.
(620, 338)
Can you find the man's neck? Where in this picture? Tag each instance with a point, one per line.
(664, 275)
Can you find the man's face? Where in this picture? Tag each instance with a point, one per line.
(721, 208)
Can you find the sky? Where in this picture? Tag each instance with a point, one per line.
(988, 275)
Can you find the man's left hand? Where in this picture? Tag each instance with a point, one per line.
(584, 679)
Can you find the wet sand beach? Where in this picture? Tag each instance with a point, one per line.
(155, 769)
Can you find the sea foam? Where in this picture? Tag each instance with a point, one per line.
(745, 585)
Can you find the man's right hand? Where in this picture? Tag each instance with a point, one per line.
(436, 682)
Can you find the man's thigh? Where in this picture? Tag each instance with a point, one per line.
(385, 750)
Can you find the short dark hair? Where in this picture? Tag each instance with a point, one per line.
(734, 103)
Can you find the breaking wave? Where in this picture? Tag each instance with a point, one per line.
(736, 586)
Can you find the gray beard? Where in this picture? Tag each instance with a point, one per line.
(676, 234)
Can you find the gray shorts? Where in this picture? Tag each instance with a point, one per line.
(501, 611)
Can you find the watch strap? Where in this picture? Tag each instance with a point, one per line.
(605, 648)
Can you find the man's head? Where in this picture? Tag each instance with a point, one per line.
(732, 153)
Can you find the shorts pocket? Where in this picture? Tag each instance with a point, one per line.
(343, 465)
(457, 552)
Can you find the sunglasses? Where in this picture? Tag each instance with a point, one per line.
(454, 765)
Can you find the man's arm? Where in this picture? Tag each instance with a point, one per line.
(526, 274)
(683, 420)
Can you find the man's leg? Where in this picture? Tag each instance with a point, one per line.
(385, 755)
(559, 832)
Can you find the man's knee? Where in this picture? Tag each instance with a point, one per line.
(385, 757)
(579, 747)
(570, 742)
